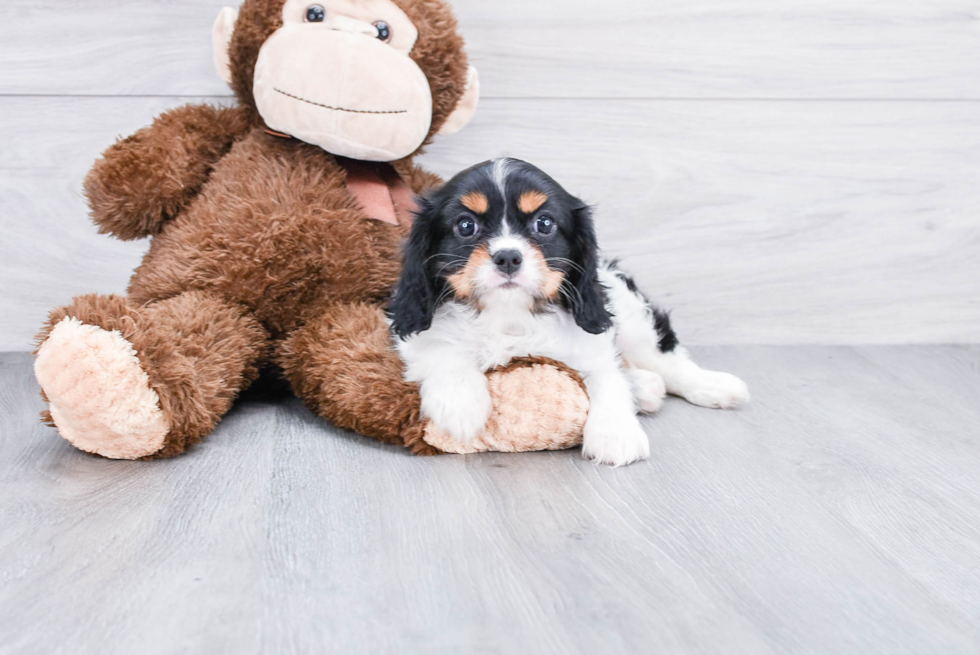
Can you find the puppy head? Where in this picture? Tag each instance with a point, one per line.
(502, 233)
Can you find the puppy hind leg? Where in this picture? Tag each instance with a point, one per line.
(681, 376)
(646, 340)
(698, 386)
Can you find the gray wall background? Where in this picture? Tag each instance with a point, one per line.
(804, 172)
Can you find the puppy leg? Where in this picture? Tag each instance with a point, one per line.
(646, 341)
(453, 388)
(457, 401)
(649, 389)
(682, 377)
(698, 386)
(613, 434)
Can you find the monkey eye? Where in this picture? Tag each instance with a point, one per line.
(384, 31)
(315, 14)
(545, 225)
(466, 227)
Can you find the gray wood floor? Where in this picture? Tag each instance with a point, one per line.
(840, 512)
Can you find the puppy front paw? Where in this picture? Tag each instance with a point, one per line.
(459, 406)
(718, 390)
(648, 388)
(616, 440)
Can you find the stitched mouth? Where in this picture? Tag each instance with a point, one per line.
(352, 111)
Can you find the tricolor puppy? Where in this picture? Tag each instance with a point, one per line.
(502, 262)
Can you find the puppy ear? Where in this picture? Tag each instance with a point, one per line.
(413, 303)
(587, 298)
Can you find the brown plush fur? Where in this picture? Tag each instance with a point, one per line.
(198, 350)
(260, 255)
(276, 230)
(343, 366)
(152, 176)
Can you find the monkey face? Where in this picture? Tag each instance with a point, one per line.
(339, 74)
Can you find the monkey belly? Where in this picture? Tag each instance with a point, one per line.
(276, 230)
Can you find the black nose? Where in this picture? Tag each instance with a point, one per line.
(508, 261)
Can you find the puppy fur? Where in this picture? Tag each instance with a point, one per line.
(502, 262)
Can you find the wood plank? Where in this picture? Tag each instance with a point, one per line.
(559, 48)
(910, 448)
(817, 519)
(761, 222)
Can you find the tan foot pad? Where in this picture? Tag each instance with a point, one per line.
(537, 405)
(99, 396)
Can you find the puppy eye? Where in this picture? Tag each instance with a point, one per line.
(466, 227)
(315, 14)
(545, 225)
(384, 32)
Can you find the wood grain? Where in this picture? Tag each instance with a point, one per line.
(837, 513)
(559, 48)
(761, 222)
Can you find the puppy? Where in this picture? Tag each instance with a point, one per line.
(502, 262)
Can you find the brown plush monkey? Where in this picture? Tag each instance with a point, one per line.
(275, 240)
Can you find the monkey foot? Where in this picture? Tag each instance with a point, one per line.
(538, 404)
(98, 395)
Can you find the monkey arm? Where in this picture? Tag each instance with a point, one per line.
(145, 180)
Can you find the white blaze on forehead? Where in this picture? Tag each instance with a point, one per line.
(506, 231)
(501, 167)
(508, 241)
(498, 173)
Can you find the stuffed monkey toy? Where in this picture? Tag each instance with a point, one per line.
(276, 228)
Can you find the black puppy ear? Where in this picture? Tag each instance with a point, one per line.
(413, 301)
(586, 297)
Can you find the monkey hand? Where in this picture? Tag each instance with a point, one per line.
(145, 180)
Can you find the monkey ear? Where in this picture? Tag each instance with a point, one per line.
(224, 27)
(466, 106)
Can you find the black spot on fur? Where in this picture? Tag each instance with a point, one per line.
(666, 337)
(630, 283)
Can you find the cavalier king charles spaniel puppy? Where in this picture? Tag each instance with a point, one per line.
(502, 262)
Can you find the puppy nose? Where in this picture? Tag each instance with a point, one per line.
(508, 261)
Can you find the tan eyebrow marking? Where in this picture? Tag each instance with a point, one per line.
(476, 201)
(531, 201)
